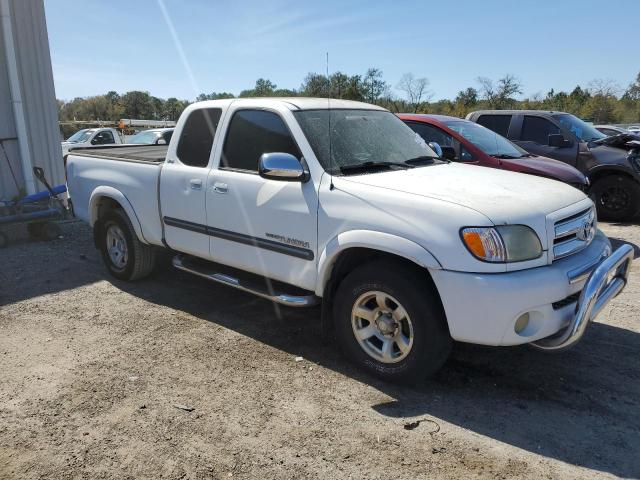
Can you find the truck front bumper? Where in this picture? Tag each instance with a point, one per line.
(548, 306)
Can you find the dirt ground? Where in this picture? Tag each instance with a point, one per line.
(97, 377)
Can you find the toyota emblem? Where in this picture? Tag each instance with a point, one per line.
(586, 232)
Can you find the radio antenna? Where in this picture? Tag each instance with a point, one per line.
(329, 122)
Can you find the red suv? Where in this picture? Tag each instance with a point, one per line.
(464, 141)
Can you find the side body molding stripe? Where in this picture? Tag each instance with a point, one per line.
(293, 251)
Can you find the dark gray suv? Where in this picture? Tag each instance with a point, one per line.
(611, 163)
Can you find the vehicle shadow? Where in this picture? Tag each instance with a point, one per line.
(579, 407)
(30, 268)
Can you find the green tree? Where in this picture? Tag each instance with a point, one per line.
(137, 104)
(214, 96)
(173, 108)
(314, 85)
(373, 85)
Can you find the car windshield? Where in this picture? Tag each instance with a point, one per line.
(486, 140)
(582, 130)
(80, 136)
(360, 137)
(144, 138)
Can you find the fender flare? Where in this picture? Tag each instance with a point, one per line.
(385, 242)
(118, 196)
(612, 169)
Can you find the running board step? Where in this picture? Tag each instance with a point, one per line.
(248, 283)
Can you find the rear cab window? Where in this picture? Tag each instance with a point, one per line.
(497, 123)
(196, 140)
(252, 133)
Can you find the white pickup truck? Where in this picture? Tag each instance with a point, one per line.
(89, 137)
(341, 203)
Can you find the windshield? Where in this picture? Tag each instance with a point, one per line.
(582, 130)
(360, 136)
(144, 138)
(486, 140)
(80, 136)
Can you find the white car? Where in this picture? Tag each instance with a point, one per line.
(342, 204)
(91, 137)
(155, 136)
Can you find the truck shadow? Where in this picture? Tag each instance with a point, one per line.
(579, 407)
(30, 268)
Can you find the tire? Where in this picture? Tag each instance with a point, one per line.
(423, 330)
(617, 197)
(34, 229)
(49, 231)
(136, 259)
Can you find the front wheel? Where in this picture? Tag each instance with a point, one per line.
(617, 197)
(124, 255)
(389, 320)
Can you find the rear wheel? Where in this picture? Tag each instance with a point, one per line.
(389, 320)
(124, 255)
(617, 197)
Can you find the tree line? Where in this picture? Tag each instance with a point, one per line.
(600, 101)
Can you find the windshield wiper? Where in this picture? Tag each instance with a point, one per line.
(373, 165)
(505, 156)
(423, 159)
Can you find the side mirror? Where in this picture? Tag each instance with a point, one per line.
(161, 141)
(448, 153)
(435, 146)
(281, 166)
(95, 141)
(557, 140)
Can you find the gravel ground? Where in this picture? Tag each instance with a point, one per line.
(173, 377)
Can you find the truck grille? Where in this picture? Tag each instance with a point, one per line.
(573, 233)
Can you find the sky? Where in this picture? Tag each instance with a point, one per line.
(180, 48)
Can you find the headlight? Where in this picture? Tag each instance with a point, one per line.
(510, 243)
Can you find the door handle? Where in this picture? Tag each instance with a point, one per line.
(220, 187)
(196, 184)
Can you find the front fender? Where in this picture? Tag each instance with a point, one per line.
(373, 240)
(114, 194)
(609, 169)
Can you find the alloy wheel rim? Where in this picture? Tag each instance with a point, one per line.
(117, 247)
(382, 327)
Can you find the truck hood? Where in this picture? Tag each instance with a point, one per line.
(623, 140)
(503, 197)
(546, 167)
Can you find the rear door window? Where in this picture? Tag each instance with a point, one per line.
(196, 140)
(104, 138)
(497, 123)
(431, 133)
(537, 129)
(252, 133)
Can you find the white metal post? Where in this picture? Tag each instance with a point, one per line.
(16, 97)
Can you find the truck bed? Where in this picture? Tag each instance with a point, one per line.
(126, 153)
